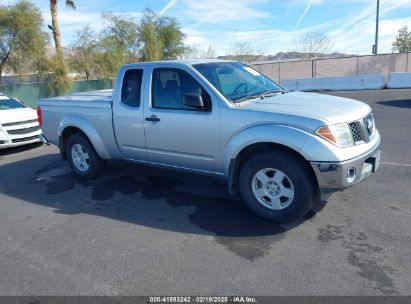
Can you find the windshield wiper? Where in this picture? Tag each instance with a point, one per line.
(248, 97)
(262, 95)
(271, 93)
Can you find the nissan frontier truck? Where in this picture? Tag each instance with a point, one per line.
(280, 150)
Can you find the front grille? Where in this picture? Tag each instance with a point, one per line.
(19, 123)
(24, 139)
(23, 131)
(356, 135)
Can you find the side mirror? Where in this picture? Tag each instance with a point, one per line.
(193, 100)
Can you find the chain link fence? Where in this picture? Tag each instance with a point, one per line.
(30, 93)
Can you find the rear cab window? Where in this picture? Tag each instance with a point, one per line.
(131, 88)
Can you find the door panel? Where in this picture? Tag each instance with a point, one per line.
(181, 136)
(128, 116)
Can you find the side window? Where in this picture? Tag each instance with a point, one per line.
(131, 88)
(172, 87)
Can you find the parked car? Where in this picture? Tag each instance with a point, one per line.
(279, 150)
(18, 123)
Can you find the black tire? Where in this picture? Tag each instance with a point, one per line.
(297, 171)
(96, 164)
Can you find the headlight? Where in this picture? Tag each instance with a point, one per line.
(369, 124)
(339, 135)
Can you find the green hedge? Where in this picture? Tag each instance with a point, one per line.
(30, 93)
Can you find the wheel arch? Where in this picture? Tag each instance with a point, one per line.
(77, 125)
(260, 139)
(258, 148)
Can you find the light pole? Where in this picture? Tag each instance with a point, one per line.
(375, 46)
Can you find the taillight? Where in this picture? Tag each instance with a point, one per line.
(39, 115)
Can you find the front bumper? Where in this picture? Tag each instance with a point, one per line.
(24, 141)
(14, 134)
(334, 176)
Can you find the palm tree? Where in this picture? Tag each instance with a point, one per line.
(55, 25)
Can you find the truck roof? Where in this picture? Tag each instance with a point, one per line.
(105, 96)
(180, 61)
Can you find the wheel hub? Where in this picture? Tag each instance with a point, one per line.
(273, 188)
(80, 157)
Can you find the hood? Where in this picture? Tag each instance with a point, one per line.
(16, 115)
(330, 109)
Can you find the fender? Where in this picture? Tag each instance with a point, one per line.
(291, 136)
(86, 128)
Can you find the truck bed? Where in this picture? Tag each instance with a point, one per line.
(88, 110)
(92, 99)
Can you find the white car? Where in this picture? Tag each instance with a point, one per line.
(18, 123)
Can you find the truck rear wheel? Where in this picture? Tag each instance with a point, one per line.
(82, 157)
(277, 186)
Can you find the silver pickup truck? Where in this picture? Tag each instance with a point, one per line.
(280, 150)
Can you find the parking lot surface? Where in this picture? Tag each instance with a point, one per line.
(145, 231)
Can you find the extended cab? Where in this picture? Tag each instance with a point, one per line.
(280, 150)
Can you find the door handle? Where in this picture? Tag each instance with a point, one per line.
(152, 118)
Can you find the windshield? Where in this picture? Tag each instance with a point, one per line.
(7, 103)
(237, 81)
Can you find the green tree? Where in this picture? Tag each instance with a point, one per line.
(118, 44)
(55, 24)
(84, 53)
(171, 36)
(22, 42)
(402, 42)
(123, 32)
(152, 45)
(58, 79)
(161, 37)
(109, 58)
(53, 71)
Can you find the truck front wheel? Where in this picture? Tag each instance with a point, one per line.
(82, 157)
(277, 186)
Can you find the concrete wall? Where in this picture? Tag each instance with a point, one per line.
(295, 69)
(356, 82)
(399, 80)
(270, 70)
(334, 67)
(382, 64)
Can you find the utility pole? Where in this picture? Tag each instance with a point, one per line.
(375, 46)
(235, 41)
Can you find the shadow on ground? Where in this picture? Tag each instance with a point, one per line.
(403, 103)
(14, 150)
(145, 196)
